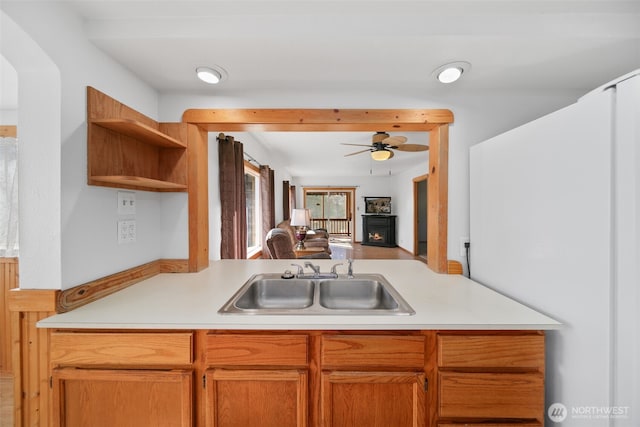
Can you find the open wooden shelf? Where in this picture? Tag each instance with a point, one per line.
(126, 149)
(139, 131)
(138, 181)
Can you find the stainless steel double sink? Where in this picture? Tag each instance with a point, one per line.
(364, 294)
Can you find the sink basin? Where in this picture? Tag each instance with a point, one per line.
(365, 294)
(356, 294)
(277, 293)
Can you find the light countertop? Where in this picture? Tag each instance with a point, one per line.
(192, 301)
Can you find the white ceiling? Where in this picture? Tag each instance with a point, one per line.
(365, 46)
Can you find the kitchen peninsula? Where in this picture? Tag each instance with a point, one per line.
(159, 352)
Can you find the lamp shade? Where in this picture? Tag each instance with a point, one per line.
(380, 155)
(300, 218)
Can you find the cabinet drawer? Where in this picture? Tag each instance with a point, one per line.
(373, 351)
(491, 351)
(257, 350)
(491, 395)
(130, 349)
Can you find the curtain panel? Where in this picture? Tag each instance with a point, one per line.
(8, 197)
(233, 244)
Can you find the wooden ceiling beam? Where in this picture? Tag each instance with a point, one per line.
(317, 120)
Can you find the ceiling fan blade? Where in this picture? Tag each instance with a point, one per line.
(395, 140)
(412, 147)
(357, 145)
(391, 154)
(357, 152)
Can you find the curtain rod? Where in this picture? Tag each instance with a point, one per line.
(250, 158)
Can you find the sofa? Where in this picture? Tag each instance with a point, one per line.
(318, 238)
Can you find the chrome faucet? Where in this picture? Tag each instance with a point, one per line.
(350, 269)
(333, 269)
(315, 268)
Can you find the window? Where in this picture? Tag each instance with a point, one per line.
(254, 219)
(330, 209)
(8, 197)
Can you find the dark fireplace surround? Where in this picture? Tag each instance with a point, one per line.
(379, 230)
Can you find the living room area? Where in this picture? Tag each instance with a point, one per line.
(339, 200)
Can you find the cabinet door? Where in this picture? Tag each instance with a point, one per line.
(136, 398)
(373, 399)
(265, 398)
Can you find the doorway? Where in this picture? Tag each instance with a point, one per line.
(420, 191)
(333, 210)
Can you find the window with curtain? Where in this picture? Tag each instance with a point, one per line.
(253, 205)
(8, 197)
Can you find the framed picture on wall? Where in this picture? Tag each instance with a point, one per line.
(377, 205)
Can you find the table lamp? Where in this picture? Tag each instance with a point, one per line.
(300, 219)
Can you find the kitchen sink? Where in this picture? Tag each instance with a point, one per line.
(363, 294)
(356, 294)
(265, 293)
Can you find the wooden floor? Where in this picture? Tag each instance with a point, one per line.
(358, 251)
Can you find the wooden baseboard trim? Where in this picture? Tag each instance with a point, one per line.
(78, 296)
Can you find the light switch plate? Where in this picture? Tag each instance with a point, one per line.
(126, 203)
(126, 231)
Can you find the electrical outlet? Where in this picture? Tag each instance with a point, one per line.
(126, 203)
(126, 231)
(463, 250)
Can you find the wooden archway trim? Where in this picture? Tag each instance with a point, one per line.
(434, 121)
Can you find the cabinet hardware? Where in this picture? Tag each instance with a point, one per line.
(51, 382)
(426, 384)
(204, 381)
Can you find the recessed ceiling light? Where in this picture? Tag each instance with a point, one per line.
(210, 75)
(449, 73)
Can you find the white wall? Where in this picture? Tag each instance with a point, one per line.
(68, 229)
(76, 240)
(477, 117)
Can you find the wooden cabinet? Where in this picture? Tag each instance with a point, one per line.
(490, 378)
(372, 380)
(375, 399)
(259, 380)
(251, 397)
(126, 149)
(122, 378)
(110, 397)
(298, 378)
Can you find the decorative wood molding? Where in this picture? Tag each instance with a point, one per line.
(438, 199)
(78, 296)
(8, 131)
(262, 120)
(436, 122)
(198, 188)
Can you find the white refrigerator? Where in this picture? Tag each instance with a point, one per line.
(555, 224)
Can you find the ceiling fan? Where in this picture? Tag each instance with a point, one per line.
(382, 143)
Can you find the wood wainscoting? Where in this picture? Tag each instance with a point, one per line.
(24, 350)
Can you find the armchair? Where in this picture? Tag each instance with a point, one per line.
(318, 238)
(279, 246)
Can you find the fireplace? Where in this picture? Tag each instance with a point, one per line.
(379, 230)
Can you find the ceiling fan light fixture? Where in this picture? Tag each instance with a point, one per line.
(380, 155)
(210, 75)
(451, 72)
